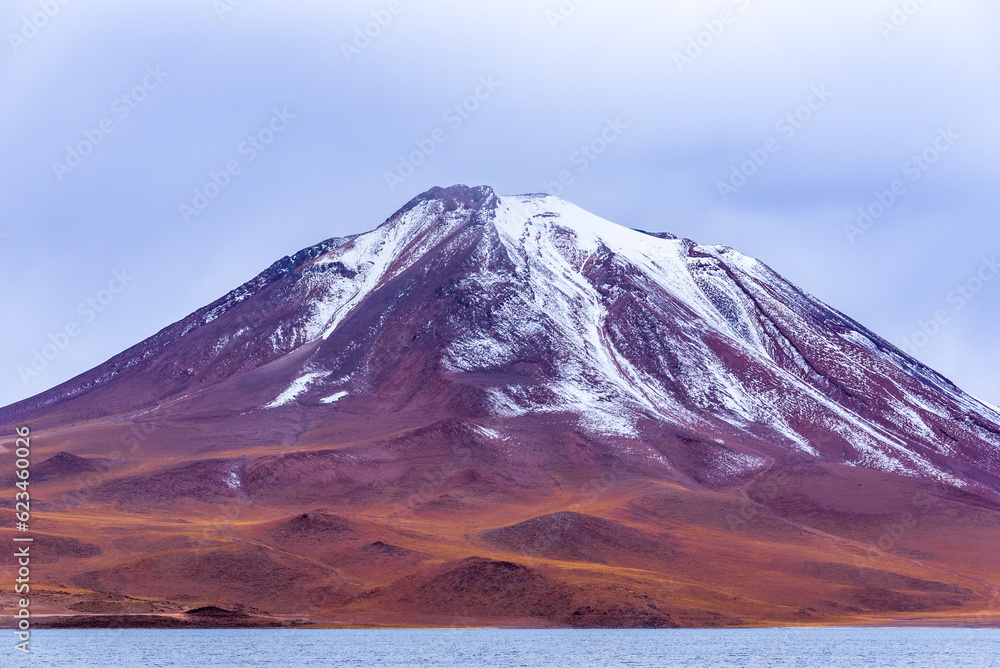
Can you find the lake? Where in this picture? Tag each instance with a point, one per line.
(743, 648)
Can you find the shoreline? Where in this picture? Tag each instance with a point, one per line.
(237, 622)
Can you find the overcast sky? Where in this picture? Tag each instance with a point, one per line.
(113, 114)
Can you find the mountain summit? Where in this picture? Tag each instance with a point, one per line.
(546, 383)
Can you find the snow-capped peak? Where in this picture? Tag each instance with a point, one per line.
(529, 307)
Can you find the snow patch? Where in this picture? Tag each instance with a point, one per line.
(738, 463)
(488, 432)
(296, 389)
(334, 398)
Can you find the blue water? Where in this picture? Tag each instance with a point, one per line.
(745, 648)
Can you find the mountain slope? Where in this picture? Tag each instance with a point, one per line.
(565, 314)
(479, 364)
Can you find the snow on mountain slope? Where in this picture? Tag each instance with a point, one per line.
(549, 311)
(725, 304)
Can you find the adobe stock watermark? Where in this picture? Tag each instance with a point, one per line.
(32, 25)
(372, 30)
(914, 168)
(563, 12)
(788, 126)
(705, 39)
(248, 150)
(138, 433)
(121, 108)
(436, 481)
(893, 532)
(957, 299)
(586, 155)
(224, 7)
(455, 117)
(900, 16)
(87, 311)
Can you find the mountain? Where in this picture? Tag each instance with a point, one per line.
(507, 410)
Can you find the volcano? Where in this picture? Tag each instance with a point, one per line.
(505, 410)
